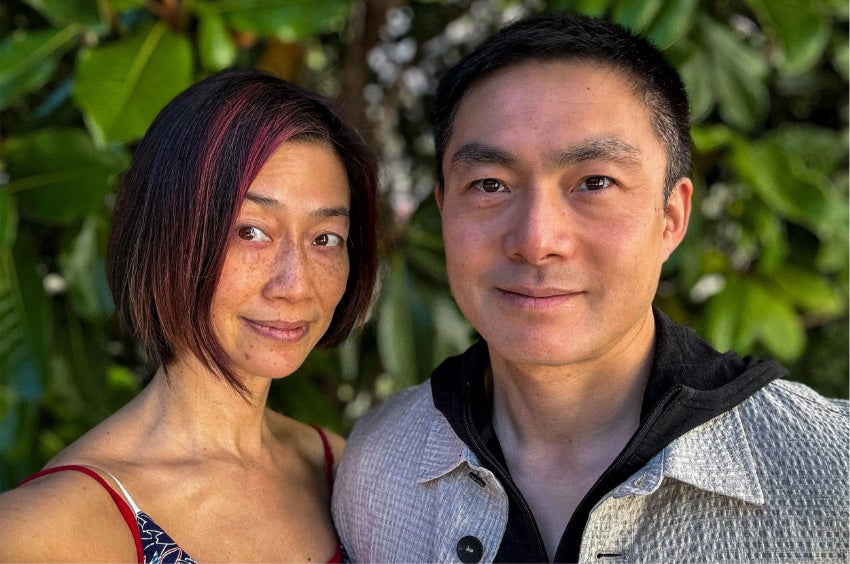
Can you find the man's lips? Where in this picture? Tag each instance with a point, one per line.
(536, 297)
(284, 331)
(537, 292)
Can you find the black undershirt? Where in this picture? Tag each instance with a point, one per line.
(690, 383)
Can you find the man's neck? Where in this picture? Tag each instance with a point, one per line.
(561, 427)
(569, 411)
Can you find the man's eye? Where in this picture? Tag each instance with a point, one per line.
(489, 185)
(592, 183)
(251, 233)
(328, 240)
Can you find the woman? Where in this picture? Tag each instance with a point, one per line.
(244, 235)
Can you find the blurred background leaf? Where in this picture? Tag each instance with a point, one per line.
(122, 85)
(28, 60)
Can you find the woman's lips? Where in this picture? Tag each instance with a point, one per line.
(283, 331)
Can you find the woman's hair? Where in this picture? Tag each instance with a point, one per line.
(180, 197)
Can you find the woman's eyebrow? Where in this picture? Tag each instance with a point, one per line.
(338, 211)
(266, 202)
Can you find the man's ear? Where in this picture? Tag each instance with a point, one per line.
(677, 215)
(438, 195)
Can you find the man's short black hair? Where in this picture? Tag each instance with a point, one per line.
(572, 37)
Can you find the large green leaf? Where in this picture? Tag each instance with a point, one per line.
(636, 14)
(14, 345)
(24, 315)
(698, 84)
(797, 195)
(452, 332)
(711, 137)
(395, 326)
(122, 5)
(672, 22)
(28, 60)
(596, 8)
(769, 318)
(841, 59)
(302, 396)
(747, 312)
(82, 265)
(121, 86)
(18, 445)
(64, 12)
(810, 291)
(813, 147)
(290, 20)
(8, 220)
(58, 176)
(723, 311)
(800, 29)
(832, 253)
(736, 76)
(215, 44)
(422, 245)
(771, 237)
(77, 387)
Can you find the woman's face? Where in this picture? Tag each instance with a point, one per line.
(286, 265)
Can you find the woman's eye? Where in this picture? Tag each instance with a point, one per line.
(489, 185)
(592, 183)
(328, 240)
(251, 233)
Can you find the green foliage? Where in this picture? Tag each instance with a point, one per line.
(119, 87)
(764, 269)
(28, 60)
(58, 176)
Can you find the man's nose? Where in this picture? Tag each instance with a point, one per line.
(539, 228)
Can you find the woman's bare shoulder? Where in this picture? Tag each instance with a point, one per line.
(337, 445)
(305, 438)
(64, 516)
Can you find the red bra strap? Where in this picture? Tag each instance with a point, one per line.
(329, 457)
(126, 511)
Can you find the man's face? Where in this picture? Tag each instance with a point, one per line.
(553, 214)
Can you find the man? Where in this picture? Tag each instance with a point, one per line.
(584, 425)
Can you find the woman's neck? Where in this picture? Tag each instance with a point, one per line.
(196, 411)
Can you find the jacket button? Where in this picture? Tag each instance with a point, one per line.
(469, 550)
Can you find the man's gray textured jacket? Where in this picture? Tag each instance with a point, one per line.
(766, 481)
(730, 463)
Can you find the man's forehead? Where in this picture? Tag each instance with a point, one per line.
(527, 96)
(551, 66)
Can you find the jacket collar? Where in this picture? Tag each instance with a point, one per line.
(444, 451)
(715, 457)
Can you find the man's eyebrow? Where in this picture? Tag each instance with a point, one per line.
(608, 148)
(266, 202)
(481, 153)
